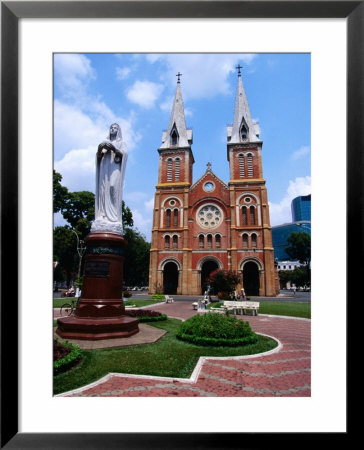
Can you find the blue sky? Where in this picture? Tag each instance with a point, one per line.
(91, 91)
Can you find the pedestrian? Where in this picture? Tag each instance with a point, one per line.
(243, 297)
(294, 290)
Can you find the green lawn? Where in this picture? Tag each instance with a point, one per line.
(58, 302)
(293, 309)
(169, 357)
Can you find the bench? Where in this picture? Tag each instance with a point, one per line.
(168, 299)
(242, 306)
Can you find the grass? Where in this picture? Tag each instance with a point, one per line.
(293, 309)
(58, 302)
(169, 357)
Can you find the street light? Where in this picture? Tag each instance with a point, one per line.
(80, 251)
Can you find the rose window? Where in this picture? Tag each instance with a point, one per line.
(209, 216)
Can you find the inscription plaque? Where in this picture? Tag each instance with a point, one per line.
(97, 269)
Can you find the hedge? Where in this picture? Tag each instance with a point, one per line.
(64, 364)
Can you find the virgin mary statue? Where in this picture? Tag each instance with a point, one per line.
(111, 159)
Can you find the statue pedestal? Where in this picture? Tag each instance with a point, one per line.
(100, 313)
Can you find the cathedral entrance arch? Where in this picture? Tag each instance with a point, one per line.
(170, 278)
(251, 278)
(206, 267)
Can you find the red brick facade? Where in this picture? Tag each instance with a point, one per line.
(209, 224)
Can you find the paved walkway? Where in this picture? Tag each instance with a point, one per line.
(283, 372)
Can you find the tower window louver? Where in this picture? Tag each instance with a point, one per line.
(250, 165)
(241, 166)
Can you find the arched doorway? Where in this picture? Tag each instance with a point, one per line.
(251, 278)
(170, 278)
(207, 267)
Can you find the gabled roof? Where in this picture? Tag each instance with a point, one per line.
(206, 174)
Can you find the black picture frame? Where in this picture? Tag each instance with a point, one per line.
(11, 12)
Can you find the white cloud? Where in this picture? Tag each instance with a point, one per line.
(144, 93)
(77, 168)
(72, 71)
(281, 212)
(301, 152)
(143, 223)
(122, 72)
(75, 129)
(149, 205)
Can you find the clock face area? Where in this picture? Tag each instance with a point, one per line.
(209, 216)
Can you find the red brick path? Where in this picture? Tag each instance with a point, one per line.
(282, 373)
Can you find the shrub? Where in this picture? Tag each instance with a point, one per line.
(216, 330)
(146, 315)
(223, 296)
(65, 356)
(157, 297)
(126, 294)
(223, 281)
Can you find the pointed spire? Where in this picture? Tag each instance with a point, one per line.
(243, 128)
(177, 135)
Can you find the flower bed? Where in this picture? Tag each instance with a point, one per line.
(65, 356)
(146, 315)
(216, 330)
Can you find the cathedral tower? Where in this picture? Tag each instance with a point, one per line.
(170, 221)
(251, 238)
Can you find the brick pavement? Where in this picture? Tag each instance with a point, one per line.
(283, 372)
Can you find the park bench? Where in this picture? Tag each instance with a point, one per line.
(241, 306)
(168, 299)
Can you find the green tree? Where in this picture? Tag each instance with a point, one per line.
(301, 276)
(300, 247)
(60, 192)
(64, 251)
(78, 209)
(127, 215)
(284, 277)
(136, 265)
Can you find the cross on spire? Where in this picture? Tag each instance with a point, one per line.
(208, 166)
(178, 75)
(239, 67)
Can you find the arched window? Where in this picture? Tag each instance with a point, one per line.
(245, 240)
(167, 241)
(209, 241)
(177, 169)
(168, 218)
(174, 136)
(245, 216)
(241, 166)
(201, 241)
(218, 241)
(250, 165)
(252, 215)
(175, 241)
(175, 217)
(254, 240)
(169, 169)
(244, 133)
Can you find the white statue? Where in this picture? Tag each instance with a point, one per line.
(111, 159)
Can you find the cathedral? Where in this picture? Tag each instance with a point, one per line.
(203, 225)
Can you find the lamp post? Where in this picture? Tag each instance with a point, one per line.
(80, 251)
